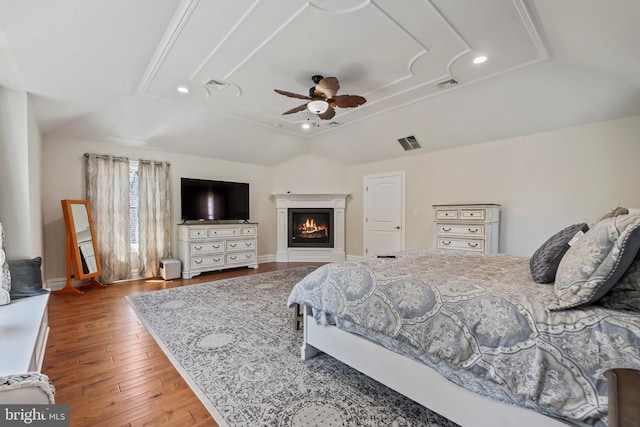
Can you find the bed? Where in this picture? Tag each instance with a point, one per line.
(473, 337)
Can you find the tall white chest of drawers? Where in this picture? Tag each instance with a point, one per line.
(474, 227)
(208, 247)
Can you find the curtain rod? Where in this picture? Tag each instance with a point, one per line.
(105, 156)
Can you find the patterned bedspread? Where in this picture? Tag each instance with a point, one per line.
(483, 323)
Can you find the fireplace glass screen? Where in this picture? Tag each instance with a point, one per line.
(310, 228)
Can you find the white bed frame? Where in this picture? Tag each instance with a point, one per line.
(417, 381)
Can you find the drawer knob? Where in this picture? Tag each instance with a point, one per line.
(198, 261)
(474, 245)
(446, 243)
(216, 260)
(248, 256)
(446, 229)
(233, 257)
(197, 248)
(247, 244)
(233, 245)
(474, 231)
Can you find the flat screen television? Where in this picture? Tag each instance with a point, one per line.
(203, 199)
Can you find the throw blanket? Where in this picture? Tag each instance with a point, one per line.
(483, 323)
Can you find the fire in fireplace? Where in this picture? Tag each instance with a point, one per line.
(310, 227)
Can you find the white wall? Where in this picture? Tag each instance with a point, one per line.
(63, 178)
(310, 173)
(34, 169)
(543, 181)
(20, 148)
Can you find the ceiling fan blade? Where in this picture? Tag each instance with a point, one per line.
(297, 109)
(291, 94)
(349, 101)
(328, 115)
(328, 87)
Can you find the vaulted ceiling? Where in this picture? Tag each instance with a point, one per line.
(108, 71)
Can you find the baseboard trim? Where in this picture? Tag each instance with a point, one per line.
(58, 283)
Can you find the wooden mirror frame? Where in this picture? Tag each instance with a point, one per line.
(73, 255)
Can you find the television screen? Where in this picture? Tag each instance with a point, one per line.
(203, 199)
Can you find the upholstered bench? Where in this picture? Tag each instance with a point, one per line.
(23, 338)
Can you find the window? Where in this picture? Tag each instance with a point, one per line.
(133, 204)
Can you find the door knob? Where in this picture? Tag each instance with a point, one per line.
(397, 227)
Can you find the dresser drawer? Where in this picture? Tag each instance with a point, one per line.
(224, 232)
(447, 214)
(241, 257)
(464, 244)
(207, 247)
(445, 229)
(198, 233)
(207, 261)
(240, 245)
(472, 213)
(249, 231)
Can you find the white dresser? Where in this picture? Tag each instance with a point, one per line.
(208, 247)
(474, 227)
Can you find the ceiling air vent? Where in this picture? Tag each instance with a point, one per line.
(218, 84)
(448, 84)
(409, 143)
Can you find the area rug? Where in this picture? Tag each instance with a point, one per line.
(234, 343)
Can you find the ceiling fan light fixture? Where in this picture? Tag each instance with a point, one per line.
(318, 106)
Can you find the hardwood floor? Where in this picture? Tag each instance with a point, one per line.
(109, 369)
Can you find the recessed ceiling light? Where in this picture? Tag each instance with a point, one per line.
(479, 59)
(306, 125)
(182, 89)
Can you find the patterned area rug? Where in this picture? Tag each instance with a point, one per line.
(234, 343)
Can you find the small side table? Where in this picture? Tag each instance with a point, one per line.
(624, 397)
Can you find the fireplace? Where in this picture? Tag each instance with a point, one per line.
(310, 227)
(317, 249)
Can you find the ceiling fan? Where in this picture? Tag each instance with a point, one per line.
(323, 99)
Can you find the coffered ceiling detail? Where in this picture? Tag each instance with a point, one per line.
(108, 71)
(231, 55)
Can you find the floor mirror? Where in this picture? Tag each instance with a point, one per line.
(82, 257)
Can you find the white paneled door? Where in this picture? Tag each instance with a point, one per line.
(383, 213)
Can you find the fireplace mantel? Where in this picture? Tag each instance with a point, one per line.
(286, 201)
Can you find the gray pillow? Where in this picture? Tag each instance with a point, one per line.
(545, 260)
(5, 276)
(595, 263)
(625, 295)
(26, 278)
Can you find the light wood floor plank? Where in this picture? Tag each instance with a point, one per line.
(110, 370)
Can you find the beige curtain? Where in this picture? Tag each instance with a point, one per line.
(108, 194)
(154, 216)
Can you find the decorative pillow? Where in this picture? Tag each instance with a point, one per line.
(595, 263)
(614, 212)
(625, 295)
(545, 260)
(26, 278)
(5, 276)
